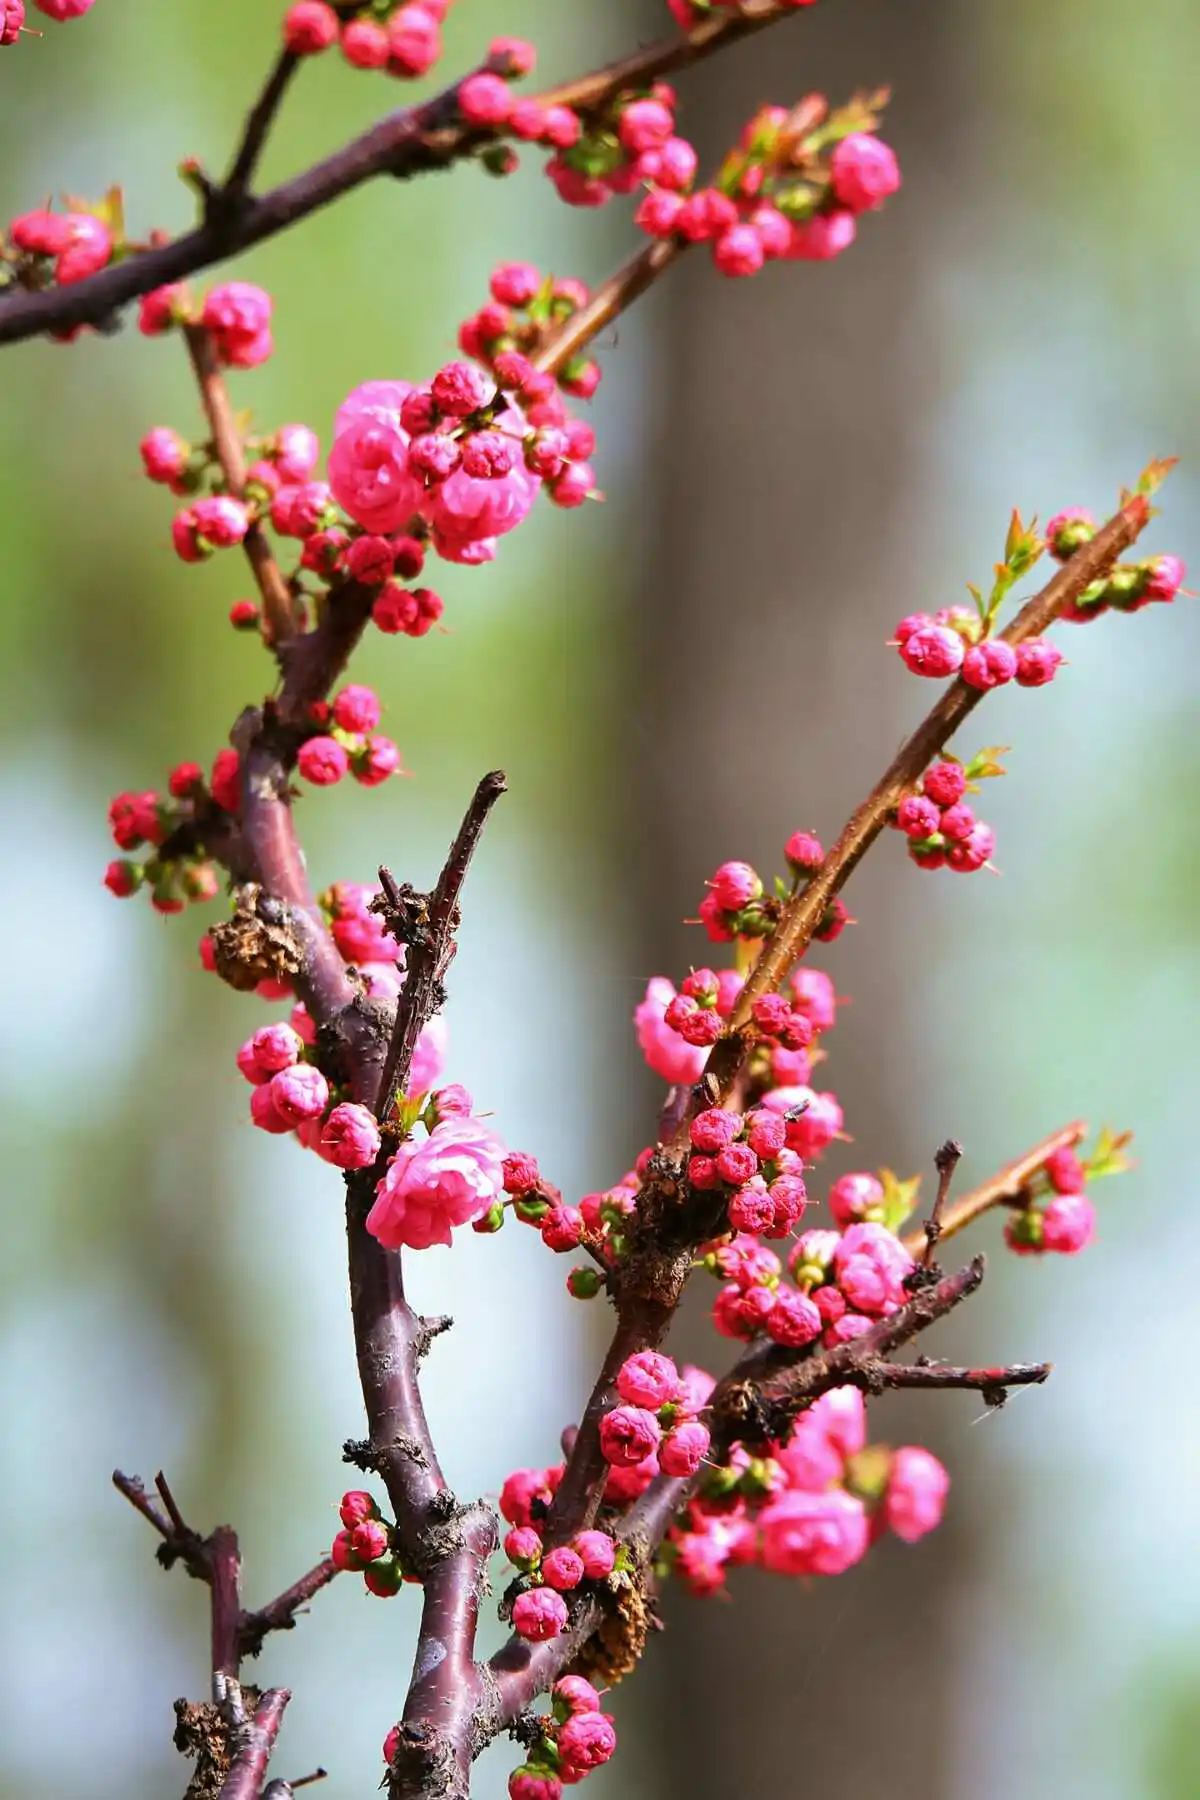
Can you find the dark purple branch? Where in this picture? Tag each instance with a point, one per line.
(254, 1741)
(991, 1383)
(222, 1548)
(280, 1614)
(427, 927)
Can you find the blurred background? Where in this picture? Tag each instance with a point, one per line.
(791, 464)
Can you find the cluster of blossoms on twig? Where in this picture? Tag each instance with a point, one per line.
(670, 1473)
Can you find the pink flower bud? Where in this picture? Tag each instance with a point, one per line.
(356, 708)
(365, 44)
(813, 1534)
(586, 1740)
(990, 664)
(349, 1137)
(529, 1783)
(684, 1448)
(220, 520)
(459, 389)
(523, 1546)
(628, 1435)
(648, 1379)
(933, 650)
(383, 1579)
(864, 172)
(658, 213)
(945, 783)
(852, 1197)
(164, 454)
(88, 248)
(739, 251)
(1068, 530)
(264, 1112)
(562, 1569)
(309, 26)
(714, 1129)
(972, 852)
(1068, 1224)
(539, 1614)
(355, 1506)
(414, 41)
(1037, 662)
(822, 237)
(322, 760)
(915, 1496)
(734, 885)
(484, 99)
(298, 1093)
(12, 20)
(794, 1319)
(342, 1554)
(1065, 1171)
(598, 1554)
(369, 1540)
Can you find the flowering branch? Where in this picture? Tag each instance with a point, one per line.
(278, 620)
(410, 141)
(1003, 1189)
(804, 913)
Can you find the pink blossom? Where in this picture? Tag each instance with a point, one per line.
(945, 783)
(990, 664)
(538, 1614)
(813, 994)
(349, 1137)
(852, 1197)
(933, 650)
(309, 26)
(274, 1047)
(916, 1493)
(355, 1506)
(597, 1552)
(1066, 1173)
(1164, 574)
(649, 1379)
(369, 473)
(356, 708)
(572, 1693)
(822, 237)
(864, 171)
(739, 251)
(971, 852)
(429, 1058)
(264, 1112)
(467, 509)
(665, 1051)
(562, 1569)
(299, 1093)
(296, 451)
(628, 1435)
(64, 9)
(794, 1319)
(842, 1416)
(369, 1540)
(870, 1264)
(414, 40)
(813, 1129)
(586, 1740)
(684, 1448)
(809, 1459)
(523, 1546)
(523, 1488)
(1068, 1224)
(322, 760)
(1037, 662)
(238, 314)
(528, 1783)
(364, 44)
(813, 1534)
(484, 99)
(12, 19)
(430, 1186)
(220, 520)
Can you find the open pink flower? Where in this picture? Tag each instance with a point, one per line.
(664, 1049)
(431, 1185)
(870, 1264)
(916, 1493)
(813, 1534)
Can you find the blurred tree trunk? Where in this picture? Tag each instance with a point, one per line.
(786, 516)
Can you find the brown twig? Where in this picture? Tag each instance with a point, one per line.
(611, 298)
(1002, 1189)
(428, 926)
(945, 1162)
(411, 141)
(803, 914)
(262, 116)
(278, 621)
(991, 1383)
(280, 1614)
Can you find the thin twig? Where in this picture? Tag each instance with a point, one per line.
(408, 142)
(280, 1614)
(429, 933)
(945, 1162)
(278, 621)
(991, 1383)
(258, 125)
(1002, 1189)
(803, 914)
(610, 299)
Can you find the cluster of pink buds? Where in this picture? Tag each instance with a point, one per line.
(171, 827)
(812, 1505)
(1054, 1215)
(634, 143)
(940, 825)
(657, 1419)
(351, 744)
(507, 332)
(793, 189)
(948, 643)
(43, 247)
(573, 1740)
(748, 1158)
(365, 1543)
(237, 316)
(737, 904)
(290, 1093)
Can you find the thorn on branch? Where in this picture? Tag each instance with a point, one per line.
(427, 1330)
